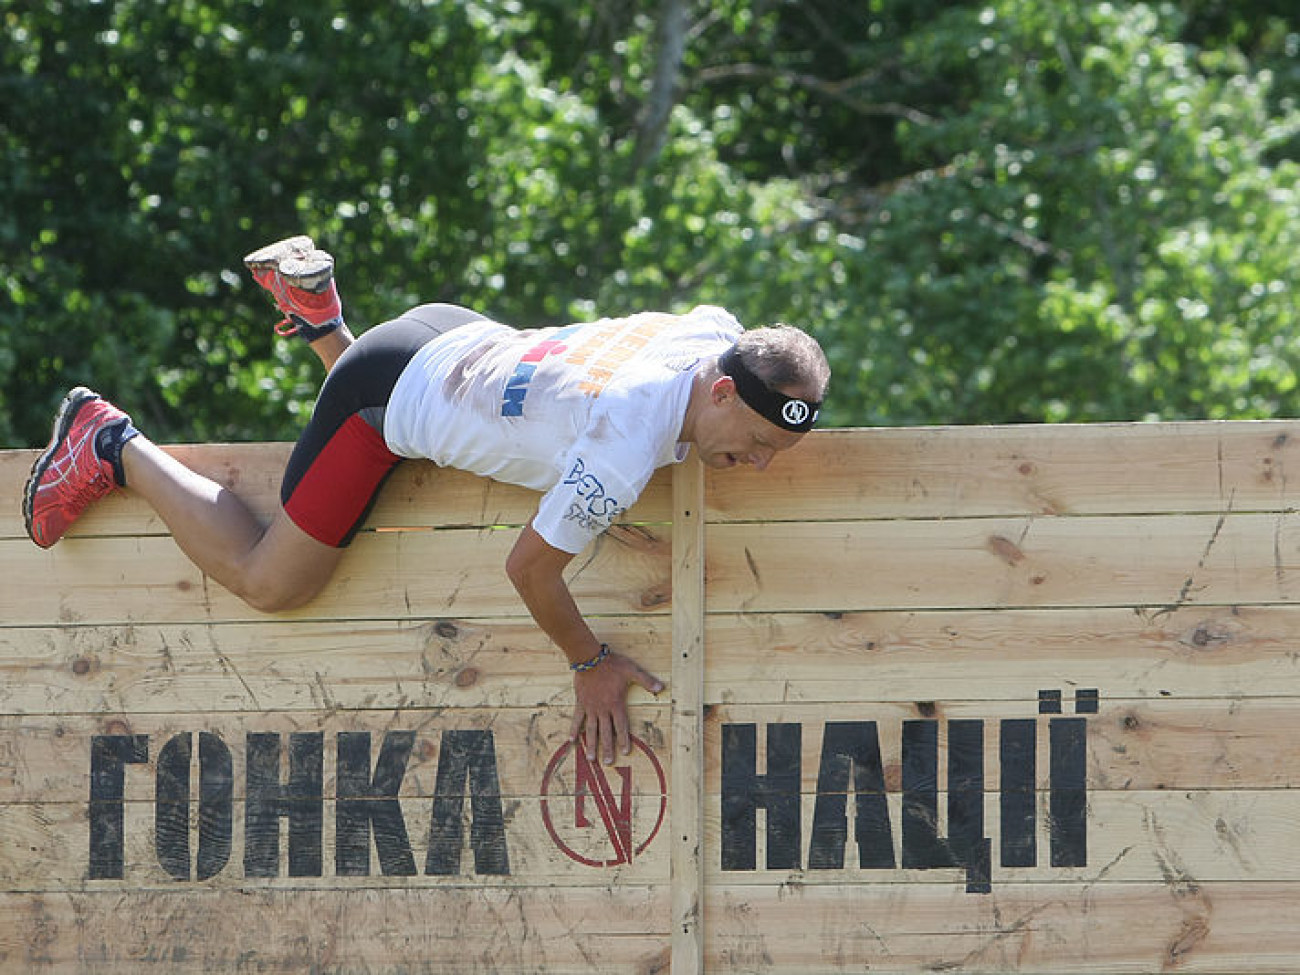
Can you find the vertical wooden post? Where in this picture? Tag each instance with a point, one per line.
(687, 789)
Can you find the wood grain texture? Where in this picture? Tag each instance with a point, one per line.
(400, 574)
(688, 656)
(281, 665)
(1079, 645)
(475, 931)
(1179, 925)
(1164, 561)
(419, 494)
(1054, 470)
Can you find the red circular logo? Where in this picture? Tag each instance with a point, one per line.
(593, 812)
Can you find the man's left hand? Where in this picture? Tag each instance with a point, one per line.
(600, 713)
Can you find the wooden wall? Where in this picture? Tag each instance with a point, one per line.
(964, 699)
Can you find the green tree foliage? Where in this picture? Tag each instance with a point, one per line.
(988, 212)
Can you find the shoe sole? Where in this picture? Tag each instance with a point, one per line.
(268, 257)
(297, 260)
(63, 421)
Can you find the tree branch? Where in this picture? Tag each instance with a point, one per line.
(840, 91)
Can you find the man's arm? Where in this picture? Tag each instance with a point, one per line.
(536, 570)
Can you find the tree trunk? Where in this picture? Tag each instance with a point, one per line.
(653, 128)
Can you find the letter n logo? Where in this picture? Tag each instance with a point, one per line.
(613, 821)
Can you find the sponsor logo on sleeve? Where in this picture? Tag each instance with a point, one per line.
(593, 508)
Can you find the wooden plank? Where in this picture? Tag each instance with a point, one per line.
(1186, 924)
(252, 470)
(1209, 836)
(1212, 836)
(1209, 929)
(1196, 651)
(1199, 652)
(48, 758)
(56, 854)
(530, 932)
(1179, 925)
(1165, 561)
(945, 472)
(687, 788)
(1151, 746)
(385, 575)
(934, 472)
(419, 494)
(293, 666)
(1130, 746)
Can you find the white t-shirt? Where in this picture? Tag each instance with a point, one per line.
(585, 413)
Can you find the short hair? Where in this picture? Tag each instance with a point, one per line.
(786, 358)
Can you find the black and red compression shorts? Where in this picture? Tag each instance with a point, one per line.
(341, 460)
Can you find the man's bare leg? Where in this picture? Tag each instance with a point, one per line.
(329, 347)
(272, 568)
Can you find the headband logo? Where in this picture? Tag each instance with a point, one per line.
(787, 412)
(795, 412)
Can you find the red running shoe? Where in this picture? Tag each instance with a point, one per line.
(70, 475)
(300, 277)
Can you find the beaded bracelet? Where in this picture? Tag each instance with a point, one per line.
(589, 664)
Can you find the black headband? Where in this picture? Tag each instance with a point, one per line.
(787, 412)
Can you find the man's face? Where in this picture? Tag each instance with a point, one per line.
(731, 433)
